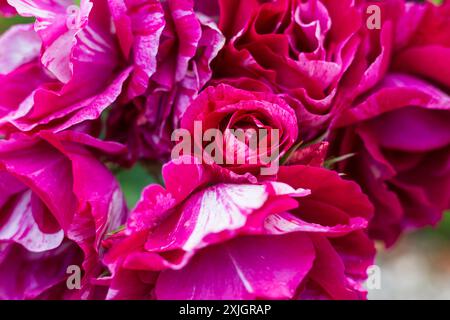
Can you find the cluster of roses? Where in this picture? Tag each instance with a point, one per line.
(363, 115)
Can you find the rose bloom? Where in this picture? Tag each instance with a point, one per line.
(57, 201)
(422, 44)
(399, 132)
(64, 70)
(174, 64)
(316, 54)
(212, 234)
(256, 129)
(401, 140)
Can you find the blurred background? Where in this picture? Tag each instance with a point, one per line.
(418, 267)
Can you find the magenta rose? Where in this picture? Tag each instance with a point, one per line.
(57, 201)
(399, 131)
(63, 70)
(173, 66)
(315, 54)
(400, 136)
(422, 45)
(207, 235)
(251, 129)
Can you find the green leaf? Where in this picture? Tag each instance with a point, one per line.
(5, 23)
(302, 145)
(331, 161)
(133, 181)
(437, 2)
(439, 233)
(290, 152)
(113, 232)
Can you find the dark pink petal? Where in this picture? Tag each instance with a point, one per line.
(26, 275)
(328, 272)
(332, 201)
(244, 268)
(6, 10)
(396, 91)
